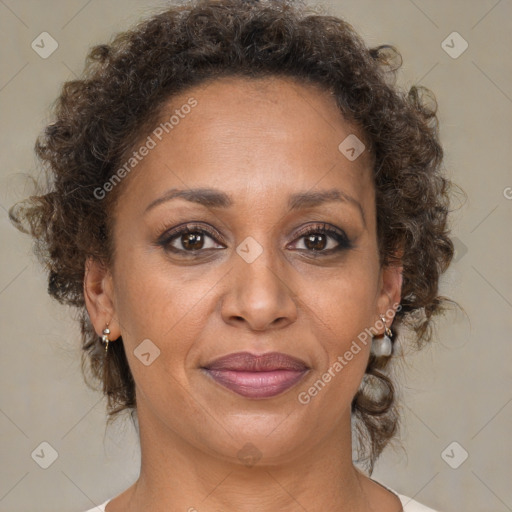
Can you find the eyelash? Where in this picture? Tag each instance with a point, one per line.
(168, 237)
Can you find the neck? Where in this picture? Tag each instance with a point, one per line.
(178, 476)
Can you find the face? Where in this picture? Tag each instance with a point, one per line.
(262, 263)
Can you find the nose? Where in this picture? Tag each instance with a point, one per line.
(259, 294)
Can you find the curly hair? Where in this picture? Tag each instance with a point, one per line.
(99, 117)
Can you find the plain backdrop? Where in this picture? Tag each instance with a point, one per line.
(456, 394)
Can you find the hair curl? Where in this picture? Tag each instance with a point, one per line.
(99, 117)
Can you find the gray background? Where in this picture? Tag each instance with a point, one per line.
(456, 390)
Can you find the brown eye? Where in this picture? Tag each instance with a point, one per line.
(323, 239)
(189, 239)
(315, 242)
(192, 241)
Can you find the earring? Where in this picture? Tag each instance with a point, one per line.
(382, 347)
(105, 339)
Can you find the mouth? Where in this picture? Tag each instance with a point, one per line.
(257, 376)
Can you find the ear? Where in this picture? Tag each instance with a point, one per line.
(390, 289)
(99, 297)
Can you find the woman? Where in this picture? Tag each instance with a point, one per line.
(248, 213)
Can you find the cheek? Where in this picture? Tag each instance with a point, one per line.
(342, 313)
(342, 331)
(343, 309)
(345, 300)
(152, 296)
(158, 303)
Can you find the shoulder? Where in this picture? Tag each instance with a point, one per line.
(408, 504)
(98, 508)
(411, 505)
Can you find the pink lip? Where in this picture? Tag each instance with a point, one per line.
(255, 376)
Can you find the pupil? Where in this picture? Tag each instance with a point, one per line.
(191, 239)
(316, 245)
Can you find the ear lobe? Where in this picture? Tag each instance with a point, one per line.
(99, 299)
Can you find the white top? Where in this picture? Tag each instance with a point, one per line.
(408, 504)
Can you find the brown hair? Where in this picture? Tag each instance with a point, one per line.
(99, 117)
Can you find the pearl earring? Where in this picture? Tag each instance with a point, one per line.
(105, 339)
(382, 347)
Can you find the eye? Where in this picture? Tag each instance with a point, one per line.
(189, 238)
(322, 238)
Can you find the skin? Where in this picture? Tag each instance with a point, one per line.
(259, 142)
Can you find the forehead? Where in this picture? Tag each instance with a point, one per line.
(253, 136)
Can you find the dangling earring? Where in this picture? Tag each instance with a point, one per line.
(105, 339)
(382, 347)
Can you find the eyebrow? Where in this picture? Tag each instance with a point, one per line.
(212, 198)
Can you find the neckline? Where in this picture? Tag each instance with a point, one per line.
(399, 496)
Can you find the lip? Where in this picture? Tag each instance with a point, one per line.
(257, 376)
